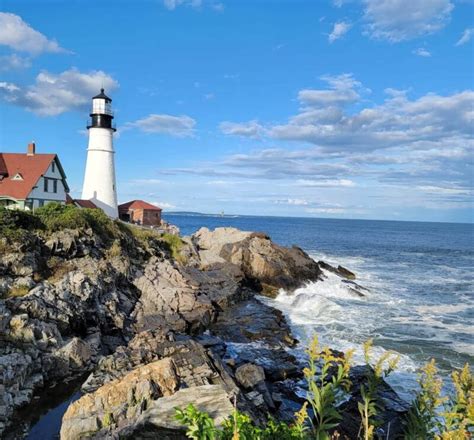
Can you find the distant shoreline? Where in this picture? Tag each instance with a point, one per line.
(202, 214)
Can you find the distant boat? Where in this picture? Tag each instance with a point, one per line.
(222, 214)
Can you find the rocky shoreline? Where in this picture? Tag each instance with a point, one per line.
(155, 332)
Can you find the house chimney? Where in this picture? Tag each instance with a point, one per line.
(31, 149)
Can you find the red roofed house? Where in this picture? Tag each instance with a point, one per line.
(138, 211)
(29, 180)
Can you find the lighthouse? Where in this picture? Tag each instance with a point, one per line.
(99, 180)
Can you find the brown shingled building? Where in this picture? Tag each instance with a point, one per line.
(140, 212)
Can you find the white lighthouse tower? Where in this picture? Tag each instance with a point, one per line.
(99, 180)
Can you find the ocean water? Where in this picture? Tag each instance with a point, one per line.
(420, 302)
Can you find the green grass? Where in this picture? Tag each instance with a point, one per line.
(174, 245)
(16, 292)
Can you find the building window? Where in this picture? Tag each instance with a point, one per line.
(46, 184)
(53, 167)
(55, 186)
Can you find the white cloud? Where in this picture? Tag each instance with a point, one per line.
(248, 129)
(163, 205)
(53, 94)
(399, 20)
(294, 202)
(339, 30)
(342, 90)
(465, 37)
(430, 121)
(18, 35)
(14, 62)
(422, 52)
(178, 126)
(326, 183)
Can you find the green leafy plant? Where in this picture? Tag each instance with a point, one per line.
(57, 216)
(325, 385)
(239, 426)
(421, 418)
(370, 405)
(432, 416)
(200, 425)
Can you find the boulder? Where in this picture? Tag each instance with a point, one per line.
(120, 400)
(264, 264)
(249, 375)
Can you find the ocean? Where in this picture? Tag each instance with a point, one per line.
(420, 302)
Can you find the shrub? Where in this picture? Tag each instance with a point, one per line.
(325, 386)
(14, 225)
(371, 405)
(239, 426)
(57, 216)
(434, 417)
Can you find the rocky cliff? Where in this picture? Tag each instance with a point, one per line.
(154, 324)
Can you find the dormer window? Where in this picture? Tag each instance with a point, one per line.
(17, 176)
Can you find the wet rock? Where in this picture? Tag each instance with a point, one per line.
(339, 270)
(252, 320)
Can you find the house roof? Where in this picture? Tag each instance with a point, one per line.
(29, 167)
(85, 203)
(138, 204)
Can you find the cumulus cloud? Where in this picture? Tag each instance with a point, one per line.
(421, 147)
(20, 36)
(399, 20)
(53, 94)
(178, 126)
(14, 62)
(465, 37)
(248, 129)
(339, 30)
(427, 122)
(422, 52)
(342, 89)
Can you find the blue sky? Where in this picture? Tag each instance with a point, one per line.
(343, 108)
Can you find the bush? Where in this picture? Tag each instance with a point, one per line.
(15, 223)
(57, 216)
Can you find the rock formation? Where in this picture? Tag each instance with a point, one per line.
(152, 332)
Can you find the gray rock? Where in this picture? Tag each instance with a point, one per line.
(249, 375)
